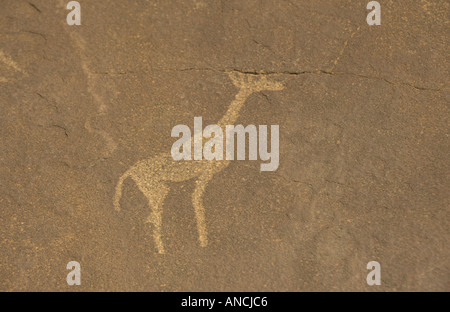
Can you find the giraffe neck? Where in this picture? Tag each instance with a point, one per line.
(232, 113)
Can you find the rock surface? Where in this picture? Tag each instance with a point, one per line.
(364, 125)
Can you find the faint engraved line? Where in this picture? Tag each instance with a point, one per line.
(341, 53)
(111, 146)
(10, 62)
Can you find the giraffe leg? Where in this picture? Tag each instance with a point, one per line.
(197, 201)
(156, 198)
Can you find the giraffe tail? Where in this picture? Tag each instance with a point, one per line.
(118, 194)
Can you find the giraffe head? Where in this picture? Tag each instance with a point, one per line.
(255, 82)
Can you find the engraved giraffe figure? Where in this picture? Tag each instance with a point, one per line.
(152, 175)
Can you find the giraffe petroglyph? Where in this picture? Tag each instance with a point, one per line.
(152, 175)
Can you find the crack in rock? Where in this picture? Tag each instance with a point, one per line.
(34, 7)
(306, 72)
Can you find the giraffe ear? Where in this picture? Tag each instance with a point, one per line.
(237, 78)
